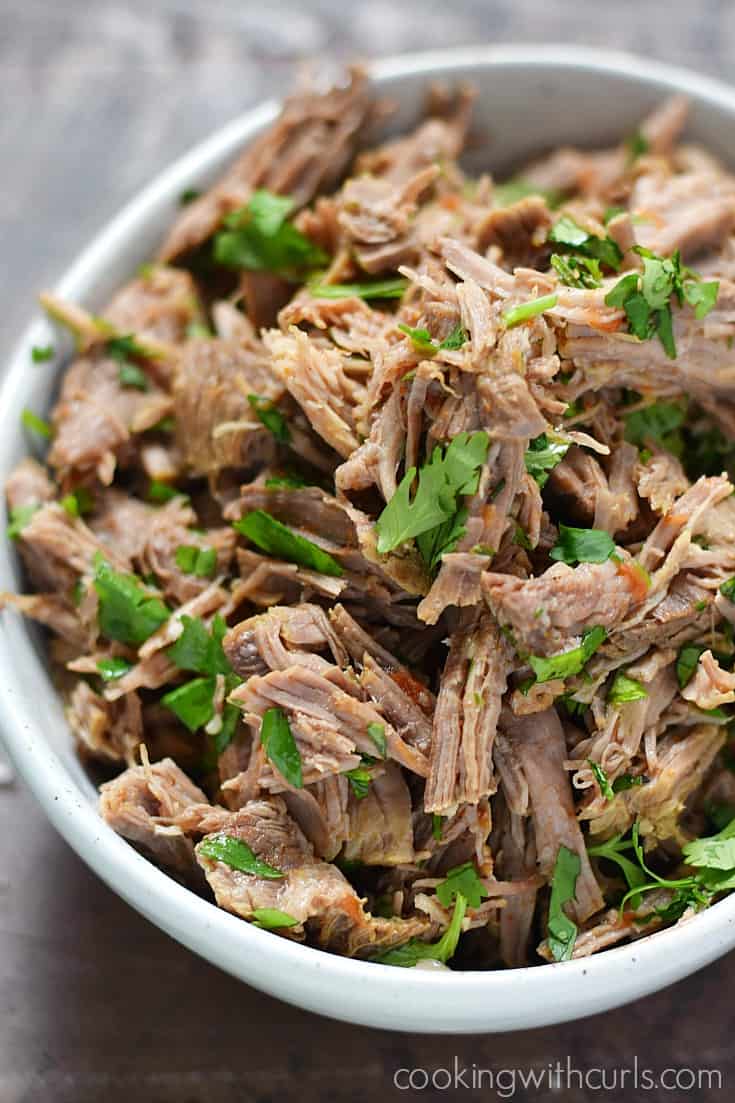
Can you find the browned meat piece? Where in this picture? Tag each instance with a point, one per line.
(95, 418)
(160, 304)
(28, 485)
(661, 480)
(547, 614)
(313, 892)
(105, 729)
(321, 812)
(538, 743)
(467, 710)
(138, 804)
(216, 427)
(304, 151)
(692, 212)
(515, 847)
(711, 687)
(281, 638)
(518, 232)
(316, 376)
(57, 549)
(381, 824)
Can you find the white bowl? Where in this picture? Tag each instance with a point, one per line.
(530, 98)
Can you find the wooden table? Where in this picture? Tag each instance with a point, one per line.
(96, 1004)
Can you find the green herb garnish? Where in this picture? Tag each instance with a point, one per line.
(625, 689)
(201, 562)
(19, 518)
(377, 289)
(462, 881)
(280, 746)
(414, 951)
(570, 662)
(687, 662)
(238, 855)
(41, 353)
(377, 734)
(112, 669)
(542, 456)
(127, 611)
(524, 312)
(582, 545)
(569, 237)
(35, 424)
(270, 416)
(259, 238)
(270, 919)
(562, 932)
(278, 540)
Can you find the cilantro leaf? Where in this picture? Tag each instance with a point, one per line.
(542, 456)
(513, 190)
(259, 238)
(625, 689)
(188, 196)
(567, 663)
(192, 702)
(160, 492)
(601, 778)
(378, 289)
(377, 734)
(626, 781)
(359, 780)
(660, 422)
(270, 416)
(524, 312)
(238, 855)
(280, 746)
(199, 649)
(191, 559)
(562, 932)
(717, 852)
(19, 518)
(127, 611)
(41, 353)
(278, 540)
(687, 662)
(434, 511)
(111, 669)
(414, 951)
(582, 545)
(577, 271)
(462, 881)
(270, 919)
(35, 424)
(727, 589)
(571, 237)
(455, 339)
(424, 343)
(130, 375)
(125, 347)
(78, 502)
(436, 826)
(637, 144)
(701, 296)
(612, 849)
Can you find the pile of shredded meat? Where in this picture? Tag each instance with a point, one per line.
(386, 539)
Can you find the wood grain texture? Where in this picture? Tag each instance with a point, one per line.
(95, 1003)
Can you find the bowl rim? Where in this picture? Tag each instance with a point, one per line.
(343, 988)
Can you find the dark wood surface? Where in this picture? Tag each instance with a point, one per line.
(95, 1003)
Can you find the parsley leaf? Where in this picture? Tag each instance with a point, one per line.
(259, 238)
(238, 855)
(377, 734)
(625, 689)
(601, 778)
(562, 932)
(280, 746)
(278, 540)
(199, 649)
(424, 343)
(612, 849)
(414, 951)
(378, 289)
(201, 562)
(567, 663)
(111, 669)
(127, 611)
(462, 881)
(192, 702)
(270, 919)
(434, 512)
(542, 456)
(19, 518)
(582, 545)
(572, 238)
(687, 661)
(270, 416)
(524, 312)
(716, 852)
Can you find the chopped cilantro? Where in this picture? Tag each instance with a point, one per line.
(414, 951)
(660, 422)
(569, 237)
(425, 344)
(127, 611)
(625, 689)
(636, 144)
(160, 492)
(41, 353)
(35, 424)
(727, 589)
(270, 416)
(462, 881)
(687, 661)
(19, 518)
(112, 669)
(542, 456)
(377, 734)
(201, 562)
(577, 271)
(516, 189)
(238, 855)
(130, 375)
(188, 196)
(78, 502)
(259, 238)
(359, 780)
(582, 545)
(602, 779)
(567, 663)
(626, 781)
(278, 540)
(434, 515)
(562, 932)
(436, 826)
(270, 919)
(280, 746)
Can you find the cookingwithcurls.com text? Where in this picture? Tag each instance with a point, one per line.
(506, 1082)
